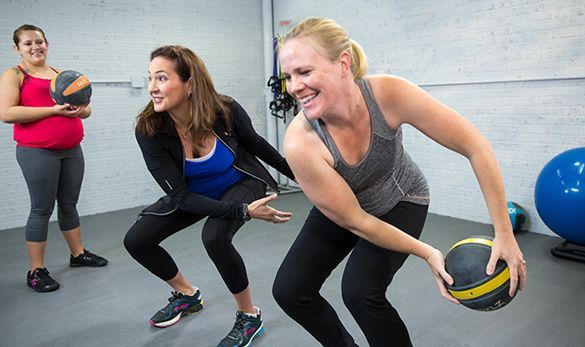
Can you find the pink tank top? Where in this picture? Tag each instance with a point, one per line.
(53, 132)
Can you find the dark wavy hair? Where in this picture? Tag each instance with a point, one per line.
(206, 102)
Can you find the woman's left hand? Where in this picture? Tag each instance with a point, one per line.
(259, 209)
(80, 110)
(73, 111)
(506, 248)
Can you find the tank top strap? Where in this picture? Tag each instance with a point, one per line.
(379, 124)
(25, 78)
(316, 124)
(22, 69)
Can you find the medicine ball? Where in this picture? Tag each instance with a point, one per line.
(70, 87)
(517, 216)
(466, 262)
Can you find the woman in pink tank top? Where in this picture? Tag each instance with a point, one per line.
(48, 151)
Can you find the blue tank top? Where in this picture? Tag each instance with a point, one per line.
(212, 174)
(387, 174)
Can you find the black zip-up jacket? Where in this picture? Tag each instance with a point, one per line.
(164, 157)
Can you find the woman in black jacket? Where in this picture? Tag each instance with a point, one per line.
(201, 149)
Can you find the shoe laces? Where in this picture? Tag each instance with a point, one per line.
(43, 275)
(238, 328)
(174, 297)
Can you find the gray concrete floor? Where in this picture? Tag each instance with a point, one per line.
(110, 306)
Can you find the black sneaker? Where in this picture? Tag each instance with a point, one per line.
(179, 305)
(246, 329)
(87, 259)
(40, 280)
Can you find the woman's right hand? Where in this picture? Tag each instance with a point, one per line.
(437, 264)
(259, 209)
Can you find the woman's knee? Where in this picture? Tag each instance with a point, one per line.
(215, 240)
(356, 295)
(289, 295)
(38, 223)
(42, 212)
(68, 209)
(134, 240)
(129, 242)
(283, 294)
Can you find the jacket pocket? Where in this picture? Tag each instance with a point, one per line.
(162, 207)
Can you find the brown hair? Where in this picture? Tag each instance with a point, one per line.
(206, 102)
(331, 39)
(26, 27)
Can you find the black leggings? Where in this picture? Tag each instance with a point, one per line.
(143, 239)
(320, 246)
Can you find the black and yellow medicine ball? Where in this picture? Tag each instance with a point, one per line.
(466, 262)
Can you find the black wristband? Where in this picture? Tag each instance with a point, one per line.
(246, 216)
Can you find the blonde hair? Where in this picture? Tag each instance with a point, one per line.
(332, 40)
(206, 102)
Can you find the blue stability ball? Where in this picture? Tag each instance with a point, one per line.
(559, 195)
(517, 216)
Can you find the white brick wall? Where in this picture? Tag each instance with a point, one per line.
(111, 40)
(431, 43)
(438, 44)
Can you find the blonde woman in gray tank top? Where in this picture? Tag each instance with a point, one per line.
(345, 148)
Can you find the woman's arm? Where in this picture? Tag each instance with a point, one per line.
(331, 194)
(412, 105)
(256, 144)
(10, 112)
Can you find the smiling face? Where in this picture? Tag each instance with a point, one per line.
(312, 78)
(168, 91)
(32, 47)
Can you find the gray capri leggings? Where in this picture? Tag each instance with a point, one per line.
(50, 175)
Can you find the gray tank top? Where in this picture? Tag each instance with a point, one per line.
(387, 174)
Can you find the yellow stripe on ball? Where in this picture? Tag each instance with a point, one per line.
(480, 240)
(483, 289)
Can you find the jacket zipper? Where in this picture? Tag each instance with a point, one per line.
(237, 168)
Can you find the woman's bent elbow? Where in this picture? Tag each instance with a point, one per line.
(4, 118)
(348, 223)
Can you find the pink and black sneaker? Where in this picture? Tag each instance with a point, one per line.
(179, 305)
(40, 281)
